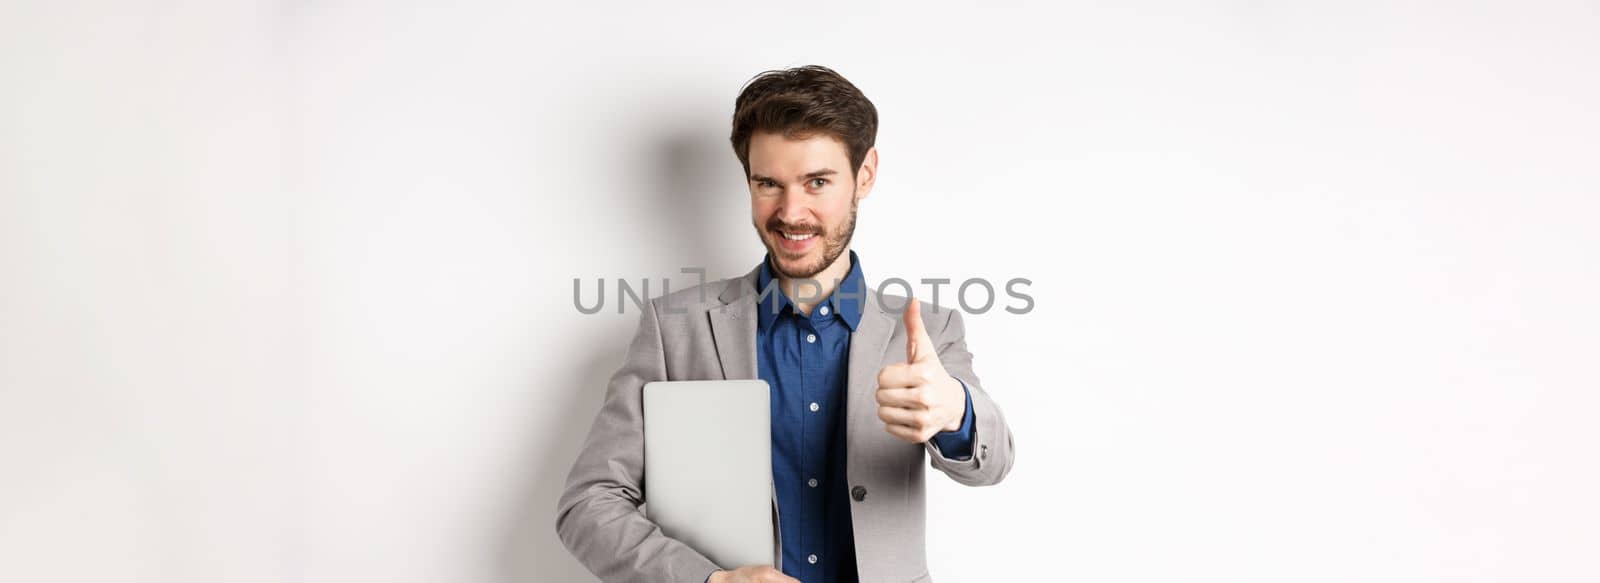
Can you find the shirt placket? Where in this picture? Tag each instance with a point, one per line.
(811, 343)
(802, 352)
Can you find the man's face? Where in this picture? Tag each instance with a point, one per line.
(803, 199)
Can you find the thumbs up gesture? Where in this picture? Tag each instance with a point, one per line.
(917, 398)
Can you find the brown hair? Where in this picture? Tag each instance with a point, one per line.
(799, 102)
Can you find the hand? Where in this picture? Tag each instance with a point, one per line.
(752, 574)
(917, 398)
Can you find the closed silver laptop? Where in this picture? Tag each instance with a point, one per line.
(708, 467)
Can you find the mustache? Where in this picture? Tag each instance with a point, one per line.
(773, 224)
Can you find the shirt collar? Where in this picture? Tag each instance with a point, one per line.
(845, 302)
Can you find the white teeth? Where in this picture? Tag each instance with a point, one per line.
(798, 237)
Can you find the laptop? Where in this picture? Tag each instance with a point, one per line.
(708, 467)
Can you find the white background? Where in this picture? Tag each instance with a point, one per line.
(287, 286)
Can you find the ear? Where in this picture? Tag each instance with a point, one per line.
(867, 175)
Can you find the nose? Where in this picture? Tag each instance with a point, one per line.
(792, 209)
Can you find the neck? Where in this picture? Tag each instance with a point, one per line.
(806, 293)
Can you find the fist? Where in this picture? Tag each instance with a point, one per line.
(752, 574)
(917, 398)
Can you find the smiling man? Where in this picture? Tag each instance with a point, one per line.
(864, 386)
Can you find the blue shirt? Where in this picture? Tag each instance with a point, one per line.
(805, 360)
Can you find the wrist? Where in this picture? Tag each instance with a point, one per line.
(959, 414)
(953, 425)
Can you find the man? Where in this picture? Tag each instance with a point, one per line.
(863, 385)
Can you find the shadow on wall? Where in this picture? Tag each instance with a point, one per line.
(692, 205)
(706, 205)
(532, 551)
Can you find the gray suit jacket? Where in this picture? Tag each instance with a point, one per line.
(709, 332)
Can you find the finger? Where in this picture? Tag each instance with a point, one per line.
(903, 398)
(918, 344)
(903, 432)
(910, 418)
(897, 376)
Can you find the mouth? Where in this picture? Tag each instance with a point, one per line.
(795, 243)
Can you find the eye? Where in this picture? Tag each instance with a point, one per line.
(764, 183)
(818, 182)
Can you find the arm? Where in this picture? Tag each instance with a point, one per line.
(598, 517)
(991, 446)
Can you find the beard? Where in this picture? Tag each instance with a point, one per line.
(833, 244)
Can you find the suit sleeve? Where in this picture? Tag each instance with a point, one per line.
(991, 453)
(598, 517)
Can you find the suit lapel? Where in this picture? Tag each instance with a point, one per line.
(867, 346)
(733, 327)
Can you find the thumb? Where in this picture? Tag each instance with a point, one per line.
(918, 345)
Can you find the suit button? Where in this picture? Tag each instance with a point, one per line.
(859, 493)
(983, 452)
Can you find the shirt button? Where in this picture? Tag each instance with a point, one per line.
(812, 559)
(859, 493)
(812, 338)
(824, 310)
(812, 482)
(814, 407)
